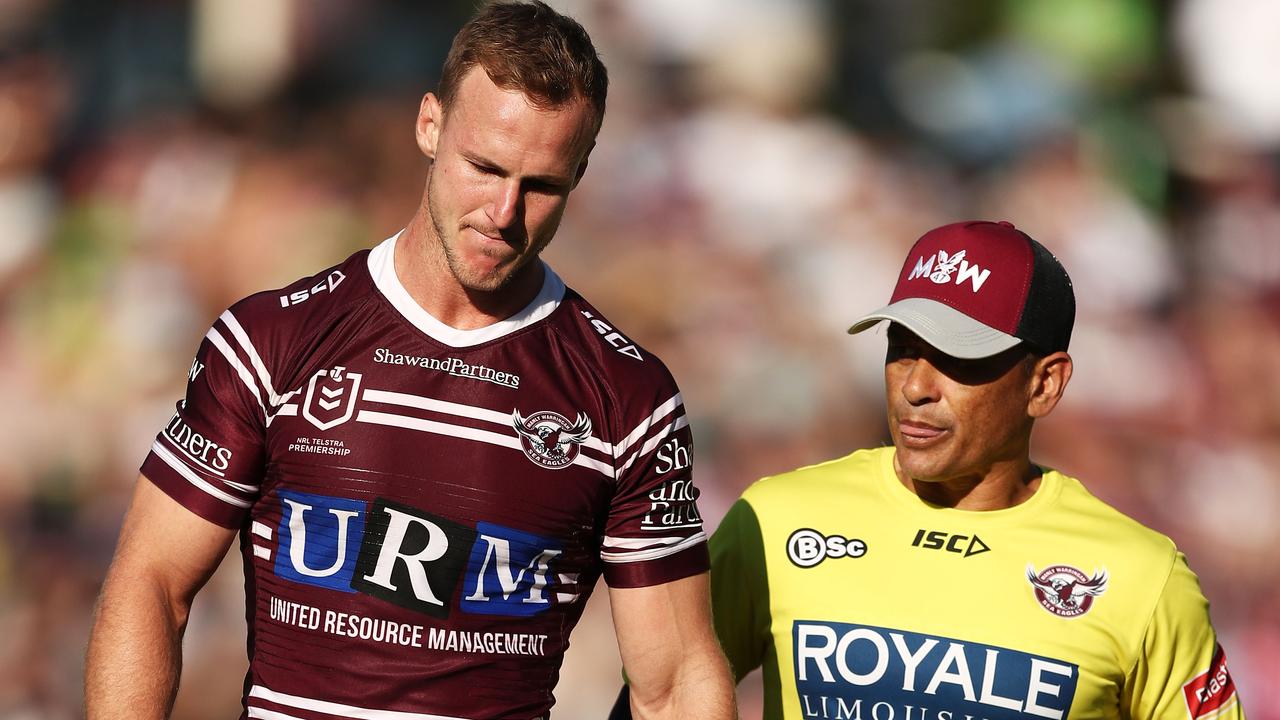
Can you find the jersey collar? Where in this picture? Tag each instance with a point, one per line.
(382, 268)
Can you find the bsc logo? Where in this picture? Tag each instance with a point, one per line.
(412, 558)
(807, 548)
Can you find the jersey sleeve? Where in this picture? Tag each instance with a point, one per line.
(1181, 670)
(209, 456)
(653, 533)
(740, 589)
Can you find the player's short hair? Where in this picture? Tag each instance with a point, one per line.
(529, 47)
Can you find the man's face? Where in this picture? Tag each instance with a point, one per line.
(953, 418)
(501, 176)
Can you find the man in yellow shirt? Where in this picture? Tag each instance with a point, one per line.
(948, 577)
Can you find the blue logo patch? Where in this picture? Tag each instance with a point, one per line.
(319, 539)
(845, 671)
(415, 559)
(508, 572)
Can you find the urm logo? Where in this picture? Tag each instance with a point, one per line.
(510, 570)
(412, 558)
(318, 539)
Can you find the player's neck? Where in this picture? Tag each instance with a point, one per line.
(423, 271)
(1003, 485)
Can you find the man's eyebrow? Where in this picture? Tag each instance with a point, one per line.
(478, 160)
(475, 159)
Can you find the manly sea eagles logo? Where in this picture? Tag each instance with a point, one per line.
(548, 438)
(331, 397)
(1064, 590)
(946, 265)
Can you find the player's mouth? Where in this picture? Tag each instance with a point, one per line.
(916, 434)
(491, 242)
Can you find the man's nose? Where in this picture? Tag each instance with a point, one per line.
(921, 384)
(505, 211)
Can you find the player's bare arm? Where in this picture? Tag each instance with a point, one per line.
(165, 555)
(673, 661)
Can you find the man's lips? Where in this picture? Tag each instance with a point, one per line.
(919, 433)
(496, 243)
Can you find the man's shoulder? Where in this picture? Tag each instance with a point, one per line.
(846, 474)
(301, 303)
(617, 358)
(1084, 513)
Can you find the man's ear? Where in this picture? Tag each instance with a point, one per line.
(1048, 381)
(582, 165)
(427, 127)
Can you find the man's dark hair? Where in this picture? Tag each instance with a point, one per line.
(529, 47)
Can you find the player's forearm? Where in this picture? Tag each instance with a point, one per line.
(135, 652)
(700, 688)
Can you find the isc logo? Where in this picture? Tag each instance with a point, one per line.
(613, 337)
(952, 543)
(329, 284)
(412, 558)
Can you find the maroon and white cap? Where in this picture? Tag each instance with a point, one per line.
(974, 289)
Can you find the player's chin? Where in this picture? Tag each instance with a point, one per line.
(489, 277)
(923, 465)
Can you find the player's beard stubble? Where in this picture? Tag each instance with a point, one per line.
(471, 278)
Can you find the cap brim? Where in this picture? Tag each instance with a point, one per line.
(942, 326)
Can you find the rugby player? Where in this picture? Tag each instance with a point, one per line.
(948, 576)
(430, 452)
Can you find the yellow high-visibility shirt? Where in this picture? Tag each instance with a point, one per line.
(863, 602)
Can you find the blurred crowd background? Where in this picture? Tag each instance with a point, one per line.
(763, 167)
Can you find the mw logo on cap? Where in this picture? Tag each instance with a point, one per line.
(940, 267)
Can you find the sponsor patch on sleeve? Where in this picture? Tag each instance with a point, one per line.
(1211, 691)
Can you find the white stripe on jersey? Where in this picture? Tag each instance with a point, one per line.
(255, 712)
(420, 402)
(639, 543)
(680, 423)
(221, 343)
(339, 709)
(458, 431)
(441, 406)
(643, 428)
(243, 338)
(654, 553)
(287, 410)
(195, 460)
(172, 461)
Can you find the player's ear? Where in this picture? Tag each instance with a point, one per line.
(1049, 377)
(427, 127)
(582, 164)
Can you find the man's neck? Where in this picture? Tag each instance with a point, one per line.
(422, 269)
(1004, 485)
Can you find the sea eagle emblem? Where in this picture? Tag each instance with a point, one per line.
(947, 264)
(1066, 591)
(549, 439)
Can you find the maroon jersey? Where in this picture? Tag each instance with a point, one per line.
(423, 511)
